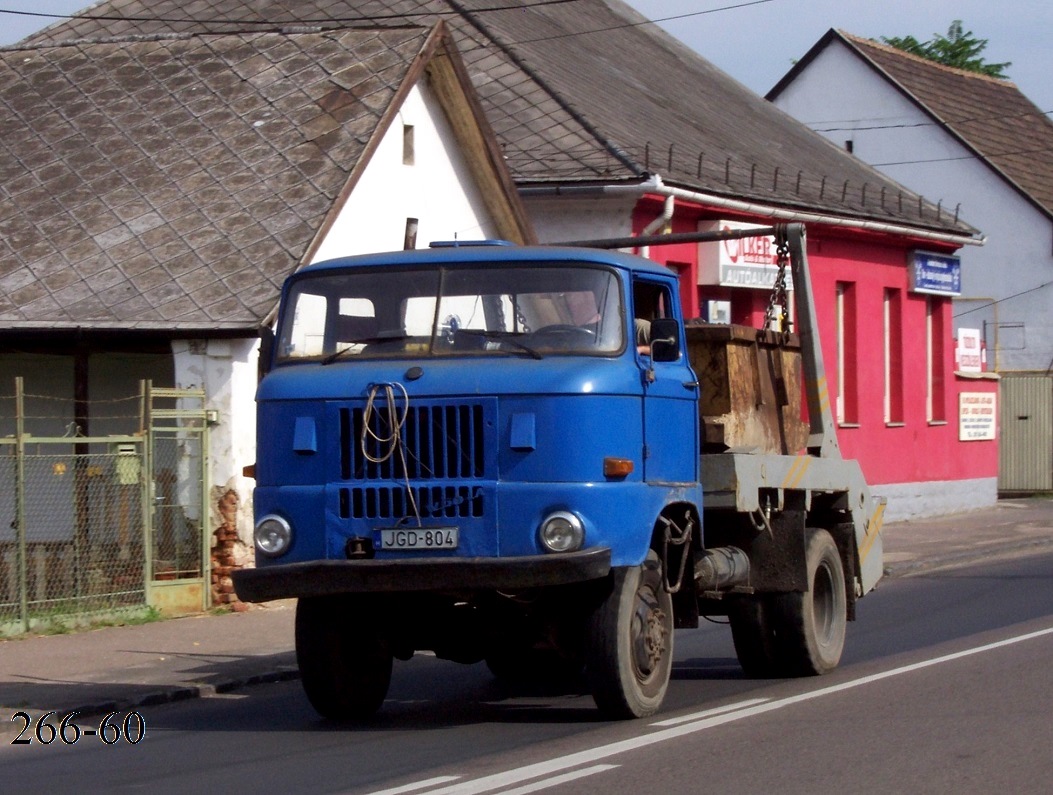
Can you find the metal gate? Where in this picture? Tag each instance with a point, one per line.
(178, 575)
(93, 526)
(1026, 449)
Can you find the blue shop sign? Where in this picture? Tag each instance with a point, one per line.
(937, 274)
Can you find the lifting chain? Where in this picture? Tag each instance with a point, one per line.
(524, 327)
(779, 297)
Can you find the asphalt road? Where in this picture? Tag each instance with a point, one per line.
(946, 685)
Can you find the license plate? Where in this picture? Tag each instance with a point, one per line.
(419, 538)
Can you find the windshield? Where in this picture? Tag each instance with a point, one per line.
(480, 310)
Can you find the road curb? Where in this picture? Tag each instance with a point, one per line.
(908, 567)
(165, 695)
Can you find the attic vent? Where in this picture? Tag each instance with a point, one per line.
(407, 144)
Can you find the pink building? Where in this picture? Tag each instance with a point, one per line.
(924, 433)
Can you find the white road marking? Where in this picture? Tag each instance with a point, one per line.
(417, 785)
(537, 770)
(710, 712)
(574, 775)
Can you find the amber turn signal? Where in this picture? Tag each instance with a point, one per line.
(617, 467)
(249, 471)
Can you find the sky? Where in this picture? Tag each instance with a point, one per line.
(757, 41)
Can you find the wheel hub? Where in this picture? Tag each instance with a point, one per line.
(650, 637)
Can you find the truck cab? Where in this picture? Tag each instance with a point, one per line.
(453, 434)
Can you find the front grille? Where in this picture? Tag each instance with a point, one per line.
(439, 442)
(433, 502)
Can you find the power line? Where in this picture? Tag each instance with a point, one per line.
(950, 124)
(516, 6)
(981, 156)
(1001, 300)
(380, 17)
(645, 22)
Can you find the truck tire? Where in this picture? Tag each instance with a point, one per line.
(345, 668)
(753, 635)
(629, 642)
(810, 626)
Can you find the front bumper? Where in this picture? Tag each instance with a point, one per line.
(326, 577)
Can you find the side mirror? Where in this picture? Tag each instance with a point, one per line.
(665, 339)
(266, 352)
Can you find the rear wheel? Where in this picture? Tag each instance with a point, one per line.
(630, 642)
(345, 661)
(810, 627)
(754, 636)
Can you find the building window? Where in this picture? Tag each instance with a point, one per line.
(847, 376)
(935, 354)
(407, 145)
(893, 357)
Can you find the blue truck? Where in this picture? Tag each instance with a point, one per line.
(500, 453)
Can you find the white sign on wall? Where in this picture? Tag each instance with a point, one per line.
(969, 354)
(747, 262)
(976, 416)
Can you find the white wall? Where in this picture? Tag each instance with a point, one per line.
(437, 189)
(843, 99)
(226, 369)
(566, 218)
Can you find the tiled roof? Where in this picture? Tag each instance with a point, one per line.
(990, 116)
(589, 91)
(173, 182)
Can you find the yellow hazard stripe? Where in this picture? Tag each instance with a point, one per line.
(873, 531)
(797, 471)
(824, 394)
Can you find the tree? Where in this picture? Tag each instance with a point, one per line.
(958, 49)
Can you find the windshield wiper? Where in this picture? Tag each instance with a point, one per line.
(355, 344)
(501, 337)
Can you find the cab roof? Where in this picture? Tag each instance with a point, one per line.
(496, 253)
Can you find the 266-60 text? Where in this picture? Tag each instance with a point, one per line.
(45, 731)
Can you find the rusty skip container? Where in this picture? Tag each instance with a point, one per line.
(750, 384)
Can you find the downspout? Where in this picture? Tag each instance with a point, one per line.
(661, 222)
(654, 184)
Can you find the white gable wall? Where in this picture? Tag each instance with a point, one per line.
(437, 189)
(841, 97)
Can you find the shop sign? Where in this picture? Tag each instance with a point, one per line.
(748, 262)
(976, 416)
(969, 354)
(935, 274)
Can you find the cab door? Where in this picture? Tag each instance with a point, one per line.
(670, 391)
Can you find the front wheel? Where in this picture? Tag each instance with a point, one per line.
(630, 642)
(344, 659)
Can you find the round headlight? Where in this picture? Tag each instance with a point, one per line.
(562, 531)
(273, 536)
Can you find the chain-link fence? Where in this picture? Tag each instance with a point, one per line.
(80, 534)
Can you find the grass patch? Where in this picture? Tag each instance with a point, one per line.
(62, 620)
